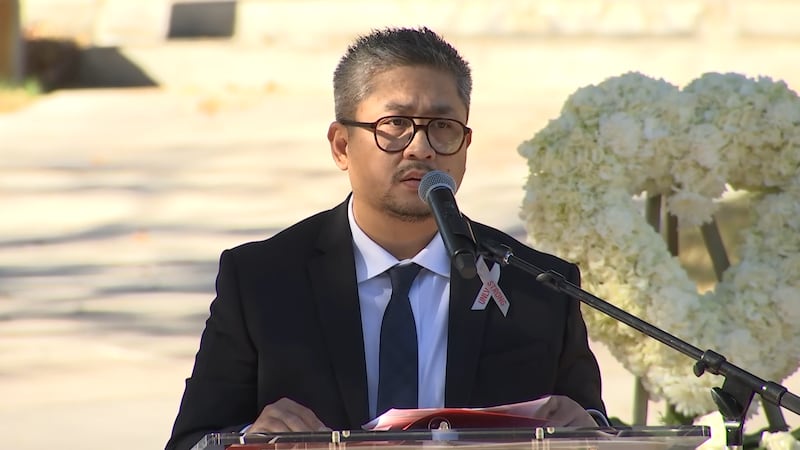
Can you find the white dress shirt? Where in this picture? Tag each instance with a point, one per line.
(430, 303)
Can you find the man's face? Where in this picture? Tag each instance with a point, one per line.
(387, 183)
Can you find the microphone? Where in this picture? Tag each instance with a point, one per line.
(436, 189)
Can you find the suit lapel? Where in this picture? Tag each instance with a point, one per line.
(465, 338)
(332, 274)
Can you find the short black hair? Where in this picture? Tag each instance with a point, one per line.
(389, 48)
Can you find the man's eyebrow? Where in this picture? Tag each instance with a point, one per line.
(402, 108)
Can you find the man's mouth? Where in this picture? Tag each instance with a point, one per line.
(413, 176)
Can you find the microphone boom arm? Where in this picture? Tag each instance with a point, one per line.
(733, 398)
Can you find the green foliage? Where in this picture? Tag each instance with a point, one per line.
(617, 422)
(30, 87)
(14, 96)
(673, 417)
(753, 440)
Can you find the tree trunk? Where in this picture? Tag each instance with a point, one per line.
(11, 69)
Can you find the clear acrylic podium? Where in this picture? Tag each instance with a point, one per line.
(650, 438)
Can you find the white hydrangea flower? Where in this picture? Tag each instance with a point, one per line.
(779, 441)
(620, 133)
(691, 208)
(633, 134)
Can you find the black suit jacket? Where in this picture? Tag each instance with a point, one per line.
(286, 323)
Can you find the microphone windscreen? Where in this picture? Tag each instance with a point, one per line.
(433, 180)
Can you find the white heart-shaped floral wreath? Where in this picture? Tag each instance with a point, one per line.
(633, 134)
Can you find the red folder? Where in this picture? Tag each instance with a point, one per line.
(450, 418)
(465, 418)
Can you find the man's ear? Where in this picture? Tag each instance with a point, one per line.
(338, 138)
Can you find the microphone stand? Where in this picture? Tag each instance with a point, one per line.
(733, 398)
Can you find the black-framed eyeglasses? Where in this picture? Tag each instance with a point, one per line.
(394, 133)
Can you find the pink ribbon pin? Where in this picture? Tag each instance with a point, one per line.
(490, 289)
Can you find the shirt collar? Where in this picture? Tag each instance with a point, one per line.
(372, 259)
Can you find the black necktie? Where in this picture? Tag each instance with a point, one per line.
(397, 380)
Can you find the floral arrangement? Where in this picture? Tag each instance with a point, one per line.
(633, 134)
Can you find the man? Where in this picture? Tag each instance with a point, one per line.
(293, 342)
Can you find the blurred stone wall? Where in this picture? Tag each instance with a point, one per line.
(127, 22)
(292, 45)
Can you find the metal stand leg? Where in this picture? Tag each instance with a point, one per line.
(640, 402)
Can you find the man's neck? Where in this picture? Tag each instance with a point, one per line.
(401, 238)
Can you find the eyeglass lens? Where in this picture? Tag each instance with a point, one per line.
(393, 134)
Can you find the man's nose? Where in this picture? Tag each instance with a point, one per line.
(420, 147)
